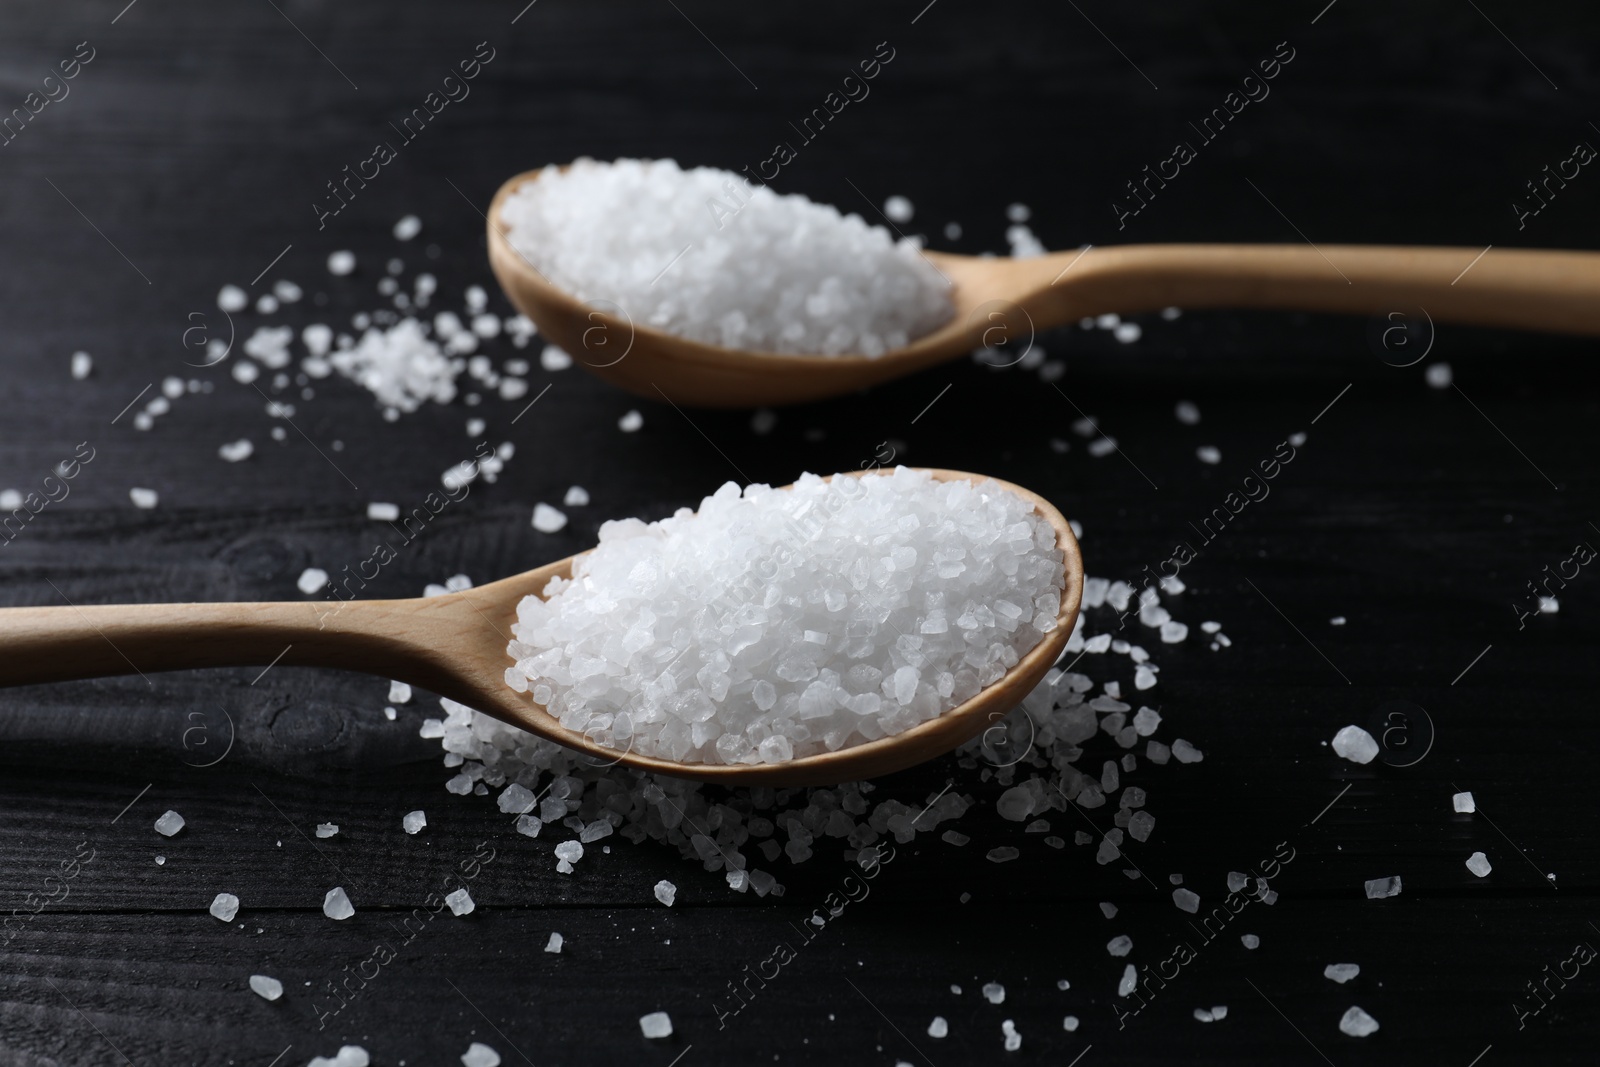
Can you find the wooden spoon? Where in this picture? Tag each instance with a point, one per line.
(455, 646)
(998, 298)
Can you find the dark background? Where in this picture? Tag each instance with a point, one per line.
(195, 143)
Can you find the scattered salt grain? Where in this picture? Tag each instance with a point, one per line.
(576, 497)
(1186, 900)
(1357, 1023)
(1209, 454)
(311, 580)
(460, 902)
(630, 422)
(347, 1056)
(898, 209)
(608, 231)
(231, 298)
(1187, 412)
(547, 519)
(1120, 945)
(1128, 982)
(144, 499)
(235, 451)
(480, 1055)
(666, 892)
(994, 993)
(1478, 864)
(169, 823)
(1002, 854)
(414, 821)
(1341, 972)
(554, 359)
(1439, 375)
(1355, 745)
(341, 263)
(407, 228)
(1013, 1039)
(380, 512)
(1250, 941)
(225, 906)
(266, 988)
(939, 1027)
(1184, 752)
(1379, 888)
(555, 943)
(1127, 332)
(399, 693)
(82, 365)
(1463, 802)
(656, 1024)
(336, 904)
(1070, 1024)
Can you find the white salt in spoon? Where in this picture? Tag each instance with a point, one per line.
(455, 645)
(996, 298)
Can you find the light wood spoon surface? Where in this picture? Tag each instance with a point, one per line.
(455, 646)
(998, 298)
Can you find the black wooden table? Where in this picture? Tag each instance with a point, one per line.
(192, 149)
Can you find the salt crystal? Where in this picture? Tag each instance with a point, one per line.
(480, 1055)
(82, 365)
(547, 519)
(554, 359)
(1128, 982)
(1209, 454)
(1184, 752)
(1439, 375)
(1002, 854)
(954, 837)
(1463, 802)
(1357, 1023)
(656, 1024)
(1341, 972)
(407, 228)
(327, 829)
(1070, 1024)
(1013, 1040)
(265, 987)
(763, 421)
(994, 993)
(1186, 900)
(336, 904)
(311, 580)
(341, 262)
(1204, 1015)
(1120, 945)
(666, 892)
(939, 1027)
(379, 512)
(1108, 909)
(225, 906)
(1355, 745)
(1250, 941)
(1187, 412)
(414, 821)
(235, 451)
(1478, 864)
(169, 823)
(554, 944)
(143, 498)
(577, 497)
(569, 851)
(898, 209)
(1127, 332)
(231, 298)
(460, 902)
(1379, 888)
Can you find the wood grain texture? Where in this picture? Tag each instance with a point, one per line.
(197, 140)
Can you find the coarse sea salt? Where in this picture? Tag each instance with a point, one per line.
(336, 904)
(224, 907)
(169, 823)
(738, 265)
(655, 1025)
(1357, 1023)
(775, 624)
(265, 987)
(480, 1055)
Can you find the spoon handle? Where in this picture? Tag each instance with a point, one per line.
(1554, 291)
(52, 644)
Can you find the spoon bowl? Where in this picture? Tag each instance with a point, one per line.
(995, 299)
(455, 645)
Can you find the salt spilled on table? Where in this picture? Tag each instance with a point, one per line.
(994, 993)
(555, 943)
(656, 1024)
(1013, 1040)
(809, 280)
(1478, 864)
(1341, 972)
(1357, 1023)
(938, 1027)
(480, 1055)
(460, 902)
(169, 823)
(312, 580)
(265, 987)
(822, 616)
(1379, 888)
(336, 904)
(327, 829)
(413, 821)
(142, 498)
(1463, 802)
(1355, 744)
(347, 1056)
(666, 892)
(225, 906)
